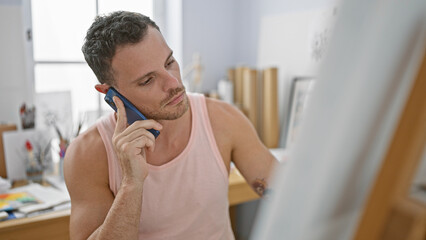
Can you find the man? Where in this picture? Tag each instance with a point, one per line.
(126, 184)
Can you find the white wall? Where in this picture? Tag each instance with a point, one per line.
(168, 16)
(16, 73)
(247, 23)
(209, 29)
(226, 33)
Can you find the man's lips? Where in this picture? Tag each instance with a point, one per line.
(176, 99)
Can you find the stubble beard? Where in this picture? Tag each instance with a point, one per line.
(175, 112)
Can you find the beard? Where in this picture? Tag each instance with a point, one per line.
(166, 112)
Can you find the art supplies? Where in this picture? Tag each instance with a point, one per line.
(12, 201)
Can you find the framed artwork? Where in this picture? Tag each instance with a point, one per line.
(27, 152)
(300, 90)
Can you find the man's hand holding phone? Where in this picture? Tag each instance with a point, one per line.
(130, 144)
(132, 113)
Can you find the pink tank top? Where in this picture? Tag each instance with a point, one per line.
(186, 198)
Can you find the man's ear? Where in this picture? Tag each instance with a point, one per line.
(102, 88)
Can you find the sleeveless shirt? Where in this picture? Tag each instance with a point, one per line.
(187, 197)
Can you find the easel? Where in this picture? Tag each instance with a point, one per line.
(389, 213)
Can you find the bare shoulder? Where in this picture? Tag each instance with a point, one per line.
(226, 117)
(220, 111)
(231, 127)
(86, 158)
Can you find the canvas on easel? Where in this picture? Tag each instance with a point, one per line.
(389, 213)
(350, 131)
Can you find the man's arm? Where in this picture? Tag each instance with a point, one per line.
(255, 162)
(95, 213)
(250, 156)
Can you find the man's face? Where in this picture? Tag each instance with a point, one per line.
(147, 74)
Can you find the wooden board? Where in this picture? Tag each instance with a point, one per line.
(4, 128)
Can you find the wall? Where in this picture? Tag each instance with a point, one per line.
(226, 33)
(168, 16)
(16, 84)
(209, 29)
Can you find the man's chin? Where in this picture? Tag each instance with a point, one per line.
(182, 108)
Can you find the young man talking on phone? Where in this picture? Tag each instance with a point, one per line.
(126, 184)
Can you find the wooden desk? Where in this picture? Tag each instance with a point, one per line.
(46, 226)
(55, 225)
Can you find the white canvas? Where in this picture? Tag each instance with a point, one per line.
(362, 86)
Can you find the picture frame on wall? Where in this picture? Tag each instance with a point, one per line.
(301, 88)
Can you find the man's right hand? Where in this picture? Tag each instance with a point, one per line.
(130, 143)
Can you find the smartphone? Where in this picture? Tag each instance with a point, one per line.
(132, 113)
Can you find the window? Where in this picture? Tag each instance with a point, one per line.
(59, 28)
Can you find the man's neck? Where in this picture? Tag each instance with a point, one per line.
(172, 140)
(174, 129)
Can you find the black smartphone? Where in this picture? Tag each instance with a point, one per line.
(132, 113)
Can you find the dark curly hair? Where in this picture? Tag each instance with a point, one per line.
(109, 32)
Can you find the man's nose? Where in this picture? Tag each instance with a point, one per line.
(170, 81)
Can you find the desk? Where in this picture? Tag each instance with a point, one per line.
(55, 225)
(46, 226)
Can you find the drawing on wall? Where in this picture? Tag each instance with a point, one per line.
(321, 31)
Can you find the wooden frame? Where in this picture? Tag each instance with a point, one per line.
(390, 214)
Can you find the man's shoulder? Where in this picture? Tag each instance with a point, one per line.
(220, 110)
(86, 145)
(86, 164)
(225, 118)
(89, 137)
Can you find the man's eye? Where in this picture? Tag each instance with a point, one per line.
(170, 63)
(146, 81)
